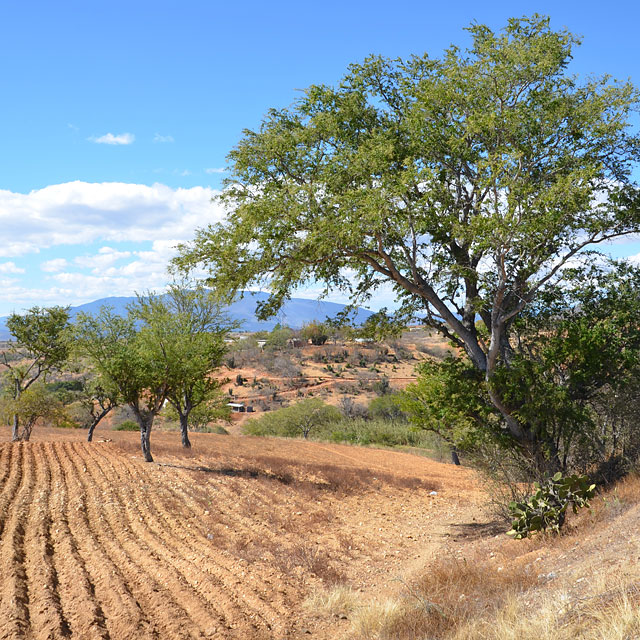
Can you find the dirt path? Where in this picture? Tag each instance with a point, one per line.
(224, 542)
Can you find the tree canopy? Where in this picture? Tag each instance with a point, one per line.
(469, 183)
(126, 369)
(40, 345)
(183, 332)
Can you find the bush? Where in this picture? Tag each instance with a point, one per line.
(387, 407)
(546, 508)
(298, 419)
(127, 425)
(379, 432)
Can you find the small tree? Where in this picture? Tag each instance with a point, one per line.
(34, 404)
(316, 332)
(40, 346)
(113, 346)
(183, 332)
(100, 398)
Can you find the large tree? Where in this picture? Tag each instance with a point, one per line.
(467, 182)
(39, 346)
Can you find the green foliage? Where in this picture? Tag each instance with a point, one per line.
(126, 368)
(278, 337)
(545, 510)
(127, 425)
(573, 354)
(40, 346)
(317, 332)
(183, 332)
(387, 407)
(468, 182)
(67, 391)
(296, 420)
(450, 399)
(124, 365)
(330, 424)
(376, 431)
(41, 336)
(34, 404)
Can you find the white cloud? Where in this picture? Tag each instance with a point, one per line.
(10, 267)
(161, 139)
(110, 138)
(73, 215)
(77, 213)
(215, 170)
(105, 257)
(53, 266)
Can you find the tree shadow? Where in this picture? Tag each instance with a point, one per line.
(284, 478)
(479, 530)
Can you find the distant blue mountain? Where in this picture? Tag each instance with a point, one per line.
(295, 312)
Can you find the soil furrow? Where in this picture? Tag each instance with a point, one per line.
(76, 592)
(147, 578)
(238, 526)
(123, 616)
(192, 532)
(45, 610)
(14, 602)
(161, 549)
(194, 560)
(12, 478)
(5, 462)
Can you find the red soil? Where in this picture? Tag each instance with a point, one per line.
(225, 541)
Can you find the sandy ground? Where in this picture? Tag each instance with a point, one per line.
(225, 541)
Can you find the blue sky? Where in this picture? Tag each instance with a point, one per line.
(117, 117)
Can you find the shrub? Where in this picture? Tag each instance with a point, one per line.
(127, 425)
(387, 407)
(298, 419)
(546, 508)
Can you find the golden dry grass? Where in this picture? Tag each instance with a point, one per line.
(584, 584)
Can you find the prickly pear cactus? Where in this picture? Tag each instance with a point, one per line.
(545, 510)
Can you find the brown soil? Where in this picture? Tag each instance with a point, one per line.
(225, 541)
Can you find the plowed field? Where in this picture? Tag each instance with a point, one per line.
(223, 542)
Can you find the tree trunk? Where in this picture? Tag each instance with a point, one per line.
(15, 437)
(96, 420)
(454, 456)
(145, 441)
(184, 430)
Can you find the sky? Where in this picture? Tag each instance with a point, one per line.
(116, 117)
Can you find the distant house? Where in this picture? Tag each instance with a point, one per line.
(240, 407)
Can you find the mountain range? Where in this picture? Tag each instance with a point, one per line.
(295, 312)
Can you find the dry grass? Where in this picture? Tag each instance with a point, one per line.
(451, 592)
(339, 600)
(611, 613)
